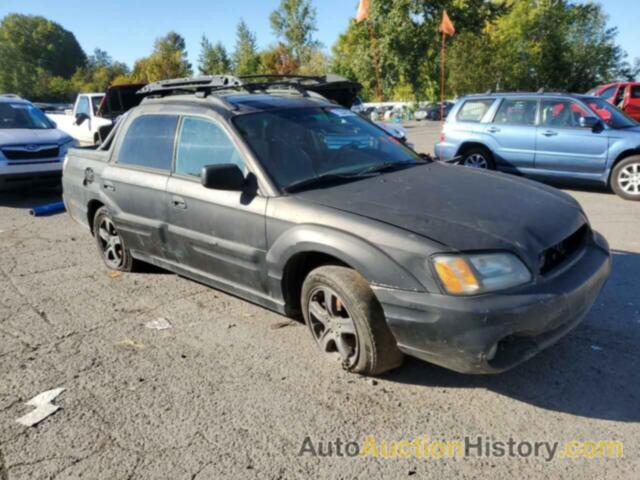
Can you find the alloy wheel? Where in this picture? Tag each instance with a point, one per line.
(629, 179)
(111, 244)
(332, 326)
(476, 160)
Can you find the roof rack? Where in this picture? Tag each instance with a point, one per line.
(205, 85)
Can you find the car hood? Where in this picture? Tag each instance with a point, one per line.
(25, 136)
(462, 208)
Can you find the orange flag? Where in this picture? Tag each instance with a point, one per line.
(446, 26)
(363, 11)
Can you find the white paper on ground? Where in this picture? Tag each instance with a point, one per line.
(44, 407)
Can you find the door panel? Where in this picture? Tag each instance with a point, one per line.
(137, 182)
(139, 210)
(220, 234)
(563, 147)
(513, 133)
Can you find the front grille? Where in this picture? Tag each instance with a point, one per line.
(556, 255)
(24, 154)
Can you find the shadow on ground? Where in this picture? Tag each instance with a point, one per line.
(594, 372)
(30, 196)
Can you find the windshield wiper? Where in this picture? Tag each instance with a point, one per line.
(386, 167)
(325, 179)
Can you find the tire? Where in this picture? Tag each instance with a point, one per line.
(478, 157)
(625, 178)
(368, 346)
(114, 252)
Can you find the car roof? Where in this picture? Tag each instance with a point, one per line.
(491, 95)
(11, 98)
(236, 104)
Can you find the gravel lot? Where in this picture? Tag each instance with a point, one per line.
(232, 390)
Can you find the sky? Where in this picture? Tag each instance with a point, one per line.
(126, 29)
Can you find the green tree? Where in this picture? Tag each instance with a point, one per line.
(34, 50)
(99, 72)
(246, 59)
(168, 60)
(406, 43)
(214, 59)
(294, 23)
(555, 44)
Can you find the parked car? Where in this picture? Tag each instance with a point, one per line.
(546, 136)
(624, 95)
(302, 206)
(94, 114)
(31, 148)
(435, 112)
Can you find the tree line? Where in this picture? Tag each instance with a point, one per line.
(500, 45)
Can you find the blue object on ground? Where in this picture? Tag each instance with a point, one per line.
(47, 209)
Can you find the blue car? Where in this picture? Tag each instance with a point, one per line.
(548, 136)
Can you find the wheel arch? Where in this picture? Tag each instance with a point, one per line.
(92, 208)
(466, 146)
(303, 248)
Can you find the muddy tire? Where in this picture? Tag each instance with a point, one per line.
(347, 321)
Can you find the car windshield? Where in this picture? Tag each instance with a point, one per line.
(299, 145)
(22, 115)
(609, 114)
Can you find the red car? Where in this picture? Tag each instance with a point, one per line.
(624, 95)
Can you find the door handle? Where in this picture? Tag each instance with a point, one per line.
(108, 186)
(178, 202)
(493, 129)
(549, 133)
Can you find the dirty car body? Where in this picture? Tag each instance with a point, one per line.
(379, 209)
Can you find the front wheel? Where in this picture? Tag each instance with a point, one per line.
(478, 158)
(347, 321)
(113, 250)
(625, 178)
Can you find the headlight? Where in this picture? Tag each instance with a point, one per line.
(480, 273)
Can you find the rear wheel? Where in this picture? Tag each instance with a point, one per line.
(347, 321)
(478, 158)
(113, 250)
(625, 178)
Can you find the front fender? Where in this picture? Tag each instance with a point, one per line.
(371, 262)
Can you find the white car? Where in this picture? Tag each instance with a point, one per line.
(31, 148)
(94, 114)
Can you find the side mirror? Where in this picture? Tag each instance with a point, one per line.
(227, 177)
(81, 118)
(589, 122)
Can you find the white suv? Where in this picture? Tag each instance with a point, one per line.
(32, 149)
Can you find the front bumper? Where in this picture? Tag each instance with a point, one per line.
(495, 332)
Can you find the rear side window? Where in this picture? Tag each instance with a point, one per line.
(201, 143)
(149, 142)
(635, 91)
(474, 110)
(517, 112)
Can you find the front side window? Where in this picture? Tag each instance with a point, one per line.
(23, 116)
(474, 110)
(96, 101)
(610, 115)
(517, 112)
(635, 91)
(303, 144)
(562, 114)
(202, 142)
(148, 142)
